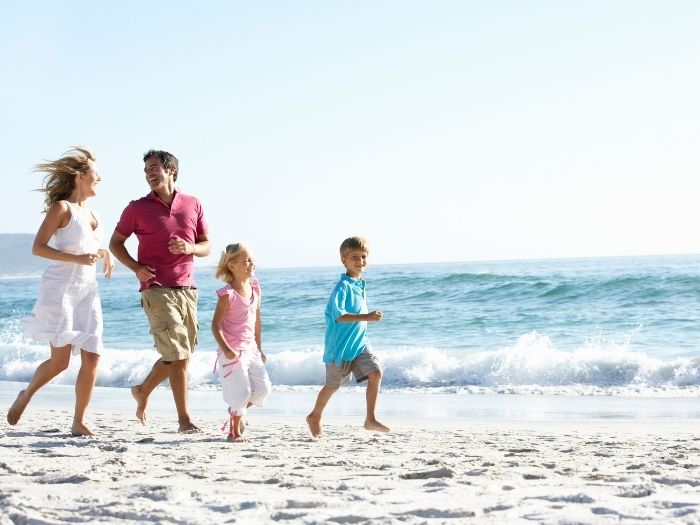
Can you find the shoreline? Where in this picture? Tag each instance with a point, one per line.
(437, 409)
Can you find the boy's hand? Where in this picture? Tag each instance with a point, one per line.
(376, 315)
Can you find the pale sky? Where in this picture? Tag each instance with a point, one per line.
(439, 130)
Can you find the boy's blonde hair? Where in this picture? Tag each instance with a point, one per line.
(231, 253)
(59, 181)
(350, 244)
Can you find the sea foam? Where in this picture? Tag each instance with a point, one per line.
(531, 366)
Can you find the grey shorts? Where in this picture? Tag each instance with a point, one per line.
(360, 367)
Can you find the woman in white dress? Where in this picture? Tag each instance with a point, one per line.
(67, 313)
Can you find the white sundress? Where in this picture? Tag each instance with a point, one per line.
(68, 310)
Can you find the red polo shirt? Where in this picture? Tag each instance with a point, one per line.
(155, 224)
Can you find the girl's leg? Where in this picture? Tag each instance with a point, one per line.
(260, 386)
(83, 392)
(235, 387)
(236, 434)
(45, 372)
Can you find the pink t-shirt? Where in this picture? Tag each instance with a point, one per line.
(238, 324)
(155, 224)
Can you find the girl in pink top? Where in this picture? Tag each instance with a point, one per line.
(237, 330)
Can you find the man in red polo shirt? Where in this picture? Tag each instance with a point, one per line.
(171, 230)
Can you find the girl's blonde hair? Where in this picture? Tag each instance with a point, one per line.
(231, 253)
(59, 181)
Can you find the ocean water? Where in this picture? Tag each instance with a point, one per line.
(614, 326)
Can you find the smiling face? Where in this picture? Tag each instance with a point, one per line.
(242, 266)
(355, 262)
(87, 182)
(159, 179)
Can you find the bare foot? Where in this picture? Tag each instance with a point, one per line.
(141, 402)
(237, 439)
(17, 408)
(314, 425)
(80, 429)
(375, 426)
(189, 428)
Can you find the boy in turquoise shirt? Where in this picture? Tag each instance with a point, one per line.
(346, 347)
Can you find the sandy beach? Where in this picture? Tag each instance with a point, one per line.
(424, 471)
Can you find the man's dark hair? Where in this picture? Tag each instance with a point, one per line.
(168, 160)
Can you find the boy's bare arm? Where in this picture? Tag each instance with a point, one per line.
(371, 317)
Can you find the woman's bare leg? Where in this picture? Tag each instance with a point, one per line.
(84, 385)
(45, 372)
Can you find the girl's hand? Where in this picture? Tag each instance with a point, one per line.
(107, 262)
(231, 356)
(263, 357)
(87, 259)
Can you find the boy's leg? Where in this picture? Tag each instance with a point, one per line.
(336, 376)
(374, 379)
(314, 418)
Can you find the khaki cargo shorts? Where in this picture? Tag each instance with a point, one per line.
(360, 367)
(172, 315)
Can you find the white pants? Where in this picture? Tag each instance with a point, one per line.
(244, 381)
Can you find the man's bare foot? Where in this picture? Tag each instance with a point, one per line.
(189, 428)
(237, 439)
(80, 429)
(141, 402)
(17, 408)
(314, 425)
(376, 426)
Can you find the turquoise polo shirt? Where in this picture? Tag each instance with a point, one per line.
(345, 341)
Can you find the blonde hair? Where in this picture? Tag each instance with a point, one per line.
(350, 244)
(59, 181)
(231, 253)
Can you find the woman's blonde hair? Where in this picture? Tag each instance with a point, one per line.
(59, 181)
(231, 253)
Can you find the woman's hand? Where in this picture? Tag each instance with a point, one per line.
(87, 259)
(107, 262)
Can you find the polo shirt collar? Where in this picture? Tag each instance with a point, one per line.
(155, 197)
(346, 277)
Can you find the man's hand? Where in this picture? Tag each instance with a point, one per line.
(176, 245)
(145, 273)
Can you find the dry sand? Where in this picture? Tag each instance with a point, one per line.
(439, 472)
